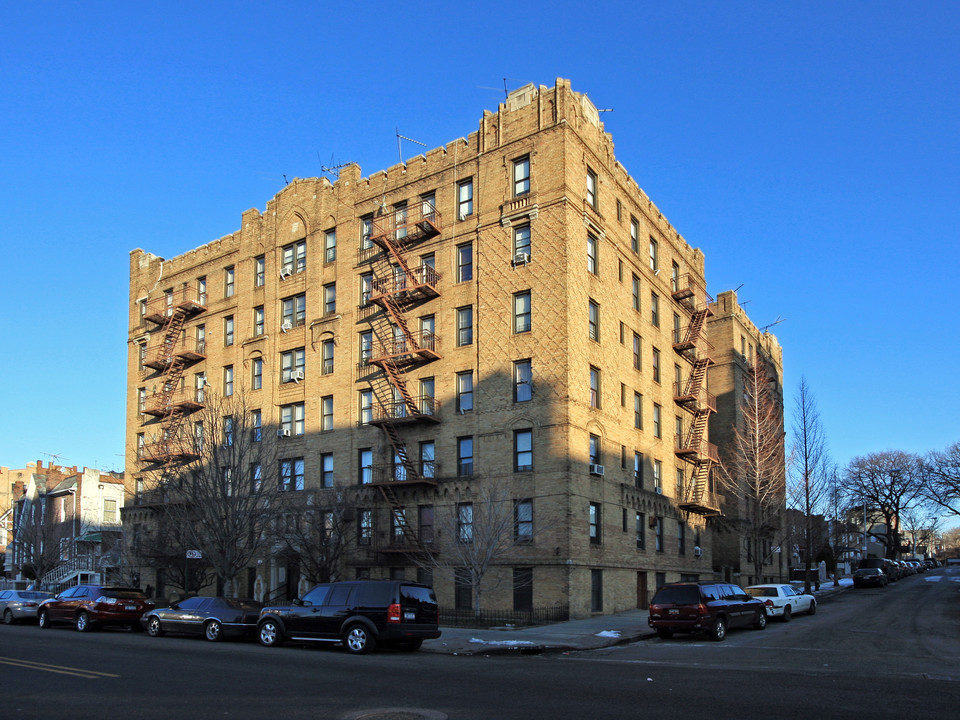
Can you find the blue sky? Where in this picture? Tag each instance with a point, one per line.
(812, 150)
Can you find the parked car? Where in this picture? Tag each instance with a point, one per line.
(931, 563)
(215, 618)
(870, 577)
(712, 608)
(21, 604)
(89, 606)
(783, 601)
(891, 568)
(359, 614)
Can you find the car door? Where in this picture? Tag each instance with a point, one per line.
(304, 620)
(740, 607)
(65, 609)
(336, 610)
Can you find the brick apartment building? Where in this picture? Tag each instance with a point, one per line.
(510, 310)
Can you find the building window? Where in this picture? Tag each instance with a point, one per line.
(655, 309)
(256, 366)
(521, 243)
(638, 411)
(674, 277)
(637, 354)
(256, 478)
(228, 331)
(366, 231)
(634, 235)
(202, 339)
(654, 255)
(522, 589)
(294, 258)
(464, 262)
(293, 311)
(658, 476)
(292, 419)
(228, 281)
(521, 176)
(595, 528)
(326, 357)
(259, 271)
(521, 312)
(522, 450)
(329, 299)
(365, 464)
(465, 391)
(465, 456)
(523, 521)
(366, 407)
(366, 289)
(428, 398)
(291, 474)
(256, 425)
(656, 365)
(596, 457)
(364, 526)
(465, 326)
(292, 363)
(522, 381)
(428, 459)
(658, 533)
(593, 266)
(593, 321)
(591, 188)
(594, 387)
(596, 591)
(635, 285)
(676, 328)
(425, 524)
(200, 384)
(258, 321)
(465, 198)
(227, 430)
(465, 522)
(326, 413)
(400, 219)
(330, 245)
(657, 421)
(681, 537)
(638, 469)
(641, 531)
(228, 381)
(366, 348)
(326, 470)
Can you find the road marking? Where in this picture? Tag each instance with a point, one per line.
(59, 669)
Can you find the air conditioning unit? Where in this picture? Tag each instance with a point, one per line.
(521, 258)
(286, 326)
(285, 274)
(596, 469)
(461, 216)
(297, 376)
(658, 490)
(283, 433)
(697, 551)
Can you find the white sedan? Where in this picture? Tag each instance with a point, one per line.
(784, 600)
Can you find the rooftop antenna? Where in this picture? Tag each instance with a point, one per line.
(404, 137)
(775, 322)
(57, 458)
(333, 169)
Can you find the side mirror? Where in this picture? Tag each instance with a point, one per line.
(296, 601)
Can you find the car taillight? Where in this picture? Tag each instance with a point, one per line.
(702, 609)
(768, 603)
(106, 600)
(393, 613)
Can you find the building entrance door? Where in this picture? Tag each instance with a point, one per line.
(642, 601)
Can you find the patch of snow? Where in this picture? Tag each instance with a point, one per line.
(608, 633)
(934, 578)
(500, 642)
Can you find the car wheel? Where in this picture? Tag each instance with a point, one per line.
(761, 622)
(270, 634)
(43, 620)
(8, 617)
(813, 608)
(154, 629)
(719, 630)
(787, 613)
(213, 631)
(665, 633)
(83, 622)
(358, 640)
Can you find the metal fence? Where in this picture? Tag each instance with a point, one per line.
(465, 617)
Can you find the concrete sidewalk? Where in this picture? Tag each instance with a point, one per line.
(587, 634)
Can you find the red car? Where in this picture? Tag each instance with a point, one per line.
(87, 606)
(709, 608)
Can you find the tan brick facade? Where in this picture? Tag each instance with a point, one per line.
(558, 133)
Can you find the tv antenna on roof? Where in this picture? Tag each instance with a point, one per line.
(332, 170)
(775, 322)
(57, 458)
(404, 137)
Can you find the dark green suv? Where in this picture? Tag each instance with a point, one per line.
(360, 614)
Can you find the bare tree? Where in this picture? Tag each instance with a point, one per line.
(920, 524)
(39, 537)
(312, 528)
(222, 502)
(941, 476)
(887, 483)
(753, 471)
(810, 488)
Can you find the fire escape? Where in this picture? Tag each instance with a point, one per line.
(172, 402)
(691, 344)
(396, 350)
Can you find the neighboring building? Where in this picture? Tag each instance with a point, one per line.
(736, 343)
(66, 526)
(509, 309)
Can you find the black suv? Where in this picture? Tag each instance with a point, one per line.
(360, 614)
(704, 607)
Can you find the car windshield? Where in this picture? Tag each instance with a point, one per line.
(123, 594)
(762, 592)
(868, 571)
(677, 595)
(28, 595)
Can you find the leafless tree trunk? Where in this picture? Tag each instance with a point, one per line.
(753, 470)
(312, 528)
(38, 537)
(941, 478)
(810, 488)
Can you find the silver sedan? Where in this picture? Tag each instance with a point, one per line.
(783, 601)
(21, 604)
